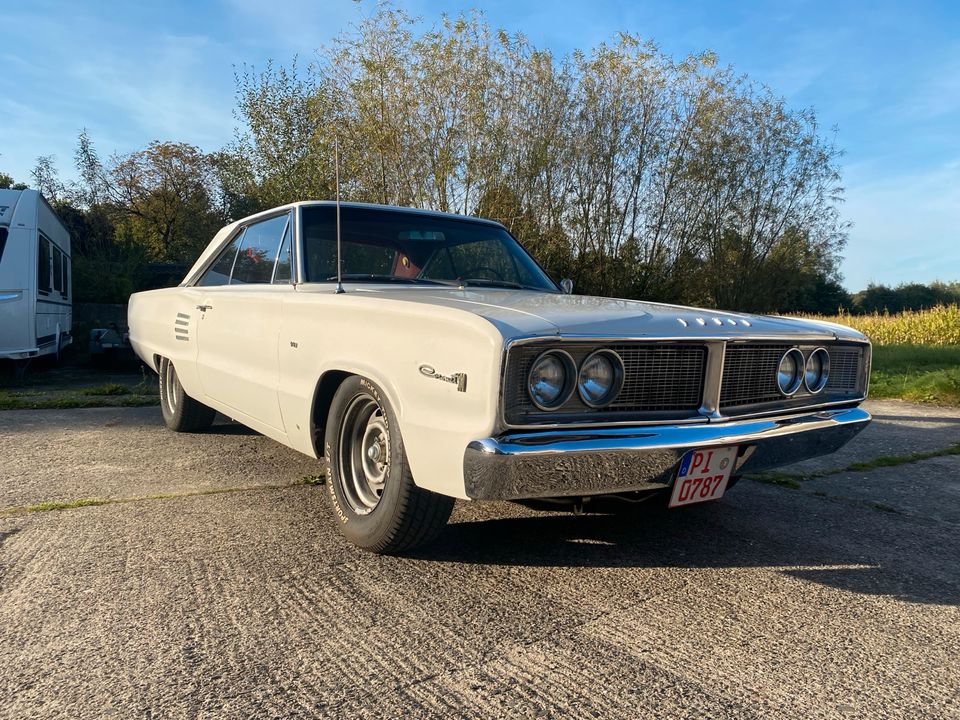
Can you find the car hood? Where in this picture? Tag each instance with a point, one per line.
(522, 313)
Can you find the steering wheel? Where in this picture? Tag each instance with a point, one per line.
(473, 273)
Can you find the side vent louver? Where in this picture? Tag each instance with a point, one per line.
(181, 327)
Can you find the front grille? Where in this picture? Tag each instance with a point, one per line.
(844, 369)
(662, 379)
(665, 381)
(750, 375)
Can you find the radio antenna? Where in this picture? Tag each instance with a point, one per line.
(336, 174)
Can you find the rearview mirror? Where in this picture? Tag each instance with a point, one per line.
(567, 286)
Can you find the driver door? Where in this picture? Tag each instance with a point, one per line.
(240, 318)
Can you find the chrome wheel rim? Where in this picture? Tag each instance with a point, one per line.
(171, 385)
(363, 451)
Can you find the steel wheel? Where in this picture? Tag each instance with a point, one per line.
(363, 451)
(172, 385)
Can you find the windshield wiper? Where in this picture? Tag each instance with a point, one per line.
(371, 277)
(484, 282)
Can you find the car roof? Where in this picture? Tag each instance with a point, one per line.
(370, 206)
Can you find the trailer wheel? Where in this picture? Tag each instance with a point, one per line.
(181, 412)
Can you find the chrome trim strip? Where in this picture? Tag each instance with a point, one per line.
(598, 461)
(713, 379)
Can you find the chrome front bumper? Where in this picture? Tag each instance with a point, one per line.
(557, 463)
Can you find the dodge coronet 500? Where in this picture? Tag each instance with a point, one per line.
(449, 365)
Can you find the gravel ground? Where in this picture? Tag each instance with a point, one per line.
(836, 600)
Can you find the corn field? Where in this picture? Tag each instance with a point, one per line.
(936, 326)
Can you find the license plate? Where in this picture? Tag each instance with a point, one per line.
(703, 475)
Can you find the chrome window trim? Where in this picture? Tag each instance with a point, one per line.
(711, 383)
(194, 280)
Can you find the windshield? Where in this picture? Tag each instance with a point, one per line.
(403, 247)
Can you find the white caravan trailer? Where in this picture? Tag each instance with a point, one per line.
(35, 283)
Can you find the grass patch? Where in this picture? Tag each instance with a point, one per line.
(895, 460)
(52, 505)
(67, 401)
(107, 389)
(782, 479)
(918, 373)
(314, 479)
(793, 480)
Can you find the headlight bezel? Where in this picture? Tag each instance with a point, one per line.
(616, 385)
(824, 375)
(798, 375)
(569, 384)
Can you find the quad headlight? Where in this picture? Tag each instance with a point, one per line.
(600, 378)
(817, 370)
(551, 378)
(790, 372)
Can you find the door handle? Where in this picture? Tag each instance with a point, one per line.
(204, 308)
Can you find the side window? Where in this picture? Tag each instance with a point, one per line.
(43, 266)
(66, 276)
(281, 275)
(57, 269)
(219, 272)
(258, 252)
(3, 241)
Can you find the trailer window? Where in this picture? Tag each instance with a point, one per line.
(66, 277)
(3, 241)
(57, 269)
(43, 266)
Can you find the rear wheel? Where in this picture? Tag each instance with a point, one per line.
(180, 411)
(372, 492)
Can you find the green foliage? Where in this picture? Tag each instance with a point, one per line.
(632, 173)
(917, 373)
(907, 296)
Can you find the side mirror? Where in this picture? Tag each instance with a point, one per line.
(567, 286)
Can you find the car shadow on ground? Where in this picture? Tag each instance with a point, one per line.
(697, 537)
(224, 426)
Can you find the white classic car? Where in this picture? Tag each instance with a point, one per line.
(449, 365)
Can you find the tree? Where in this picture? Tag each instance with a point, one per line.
(636, 174)
(160, 198)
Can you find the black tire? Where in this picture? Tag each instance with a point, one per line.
(390, 515)
(181, 412)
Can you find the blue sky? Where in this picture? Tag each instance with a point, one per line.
(886, 74)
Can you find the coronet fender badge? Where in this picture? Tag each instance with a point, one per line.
(458, 379)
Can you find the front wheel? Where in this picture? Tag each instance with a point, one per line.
(374, 498)
(180, 411)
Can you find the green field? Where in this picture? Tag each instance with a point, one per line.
(918, 373)
(916, 355)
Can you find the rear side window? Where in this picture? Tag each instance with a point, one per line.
(43, 266)
(219, 272)
(258, 251)
(3, 241)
